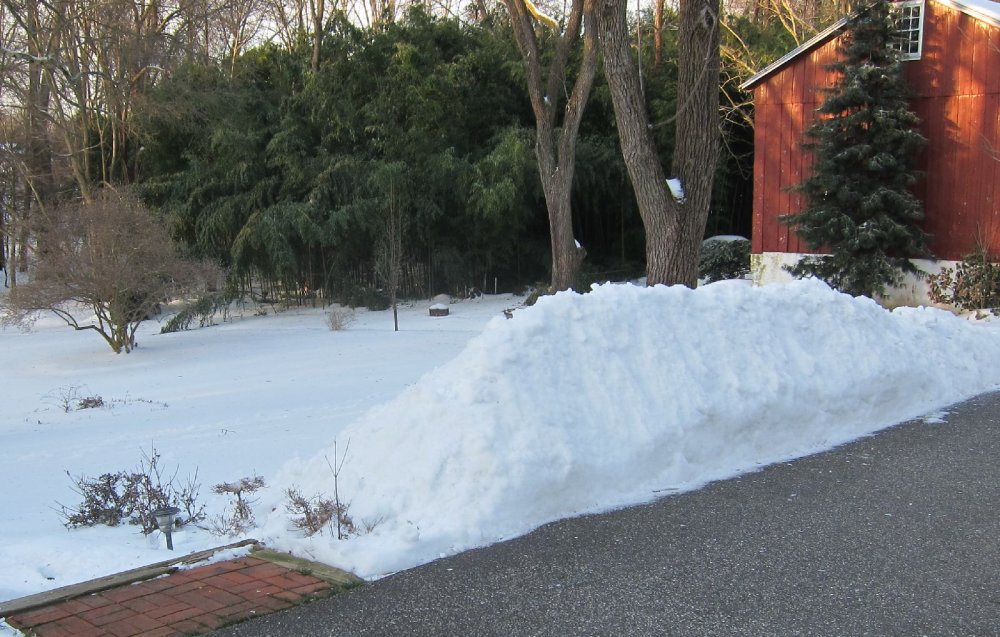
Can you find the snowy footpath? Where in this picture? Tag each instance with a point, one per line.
(465, 430)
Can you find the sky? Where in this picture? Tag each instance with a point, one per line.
(458, 431)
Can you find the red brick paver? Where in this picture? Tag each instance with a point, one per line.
(189, 602)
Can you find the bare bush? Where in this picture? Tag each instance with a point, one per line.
(344, 525)
(311, 515)
(132, 496)
(340, 318)
(186, 497)
(90, 402)
(239, 517)
(103, 265)
(70, 399)
(370, 524)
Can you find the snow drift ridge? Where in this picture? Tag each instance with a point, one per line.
(588, 402)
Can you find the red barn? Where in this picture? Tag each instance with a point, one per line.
(952, 53)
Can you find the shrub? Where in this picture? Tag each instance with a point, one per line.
(973, 284)
(724, 259)
(108, 259)
(203, 309)
(70, 399)
(339, 319)
(312, 514)
(239, 517)
(132, 496)
(365, 296)
(90, 402)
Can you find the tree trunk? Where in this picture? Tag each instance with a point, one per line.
(658, 8)
(555, 148)
(38, 185)
(696, 151)
(557, 185)
(318, 9)
(674, 225)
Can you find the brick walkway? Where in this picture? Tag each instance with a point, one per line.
(189, 602)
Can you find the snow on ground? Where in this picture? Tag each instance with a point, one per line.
(588, 402)
(580, 404)
(227, 401)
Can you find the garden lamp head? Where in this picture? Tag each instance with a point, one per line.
(165, 519)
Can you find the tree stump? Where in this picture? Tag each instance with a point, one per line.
(439, 309)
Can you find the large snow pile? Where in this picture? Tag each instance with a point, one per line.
(581, 403)
(588, 402)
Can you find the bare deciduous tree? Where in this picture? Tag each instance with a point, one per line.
(675, 223)
(318, 10)
(240, 23)
(106, 267)
(659, 9)
(287, 19)
(389, 252)
(380, 13)
(555, 143)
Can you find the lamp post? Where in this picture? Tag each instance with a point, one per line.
(165, 518)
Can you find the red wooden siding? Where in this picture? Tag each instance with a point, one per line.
(956, 87)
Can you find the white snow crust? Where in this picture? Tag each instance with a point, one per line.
(676, 189)
(466, 431)
(585, 403)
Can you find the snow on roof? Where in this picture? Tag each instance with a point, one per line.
(985, 10)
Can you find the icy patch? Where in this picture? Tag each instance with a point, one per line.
(935, 418)
(221, 556)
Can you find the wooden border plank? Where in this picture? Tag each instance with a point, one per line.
(64, 593)
(324, 572)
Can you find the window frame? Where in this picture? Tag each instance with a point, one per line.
(904, 44)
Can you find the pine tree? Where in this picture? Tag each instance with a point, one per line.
(860, 207)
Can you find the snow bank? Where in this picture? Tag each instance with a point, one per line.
(588, 402)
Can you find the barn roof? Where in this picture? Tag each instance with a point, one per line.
(985, 10)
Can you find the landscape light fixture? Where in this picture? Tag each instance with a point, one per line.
(165, 518)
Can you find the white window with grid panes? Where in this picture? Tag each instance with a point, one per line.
(909, 28)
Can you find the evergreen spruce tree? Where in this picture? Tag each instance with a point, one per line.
(860, 207)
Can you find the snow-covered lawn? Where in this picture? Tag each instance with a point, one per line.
(228, 401)
(462, 430)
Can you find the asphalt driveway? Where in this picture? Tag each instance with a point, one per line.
(897, 534)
